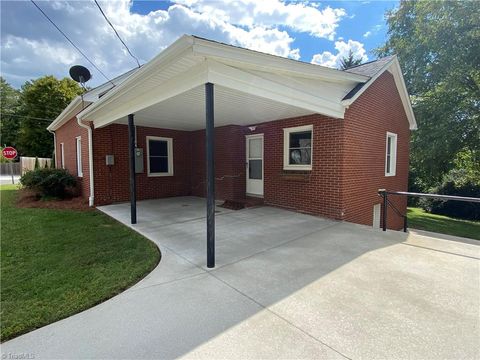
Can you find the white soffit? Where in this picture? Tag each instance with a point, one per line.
(186, 111)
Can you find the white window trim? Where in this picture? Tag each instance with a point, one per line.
(393, 154)
(169, 152)
(286, 147)
(78, 148)
(62, 155)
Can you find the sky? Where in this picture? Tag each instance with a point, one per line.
(319, 32)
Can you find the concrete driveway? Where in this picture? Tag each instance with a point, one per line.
(287, 285)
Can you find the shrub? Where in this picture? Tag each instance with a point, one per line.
(49, 182)
(37, 163)
(458, 183)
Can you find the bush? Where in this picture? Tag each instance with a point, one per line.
(457, 183)
(49, 182)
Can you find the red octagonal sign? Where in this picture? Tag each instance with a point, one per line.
(9, 153)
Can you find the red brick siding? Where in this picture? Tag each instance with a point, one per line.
(112, 182)
(319, 192)
(229, 162)
(67, 135)
(348, 160)
(378, 110)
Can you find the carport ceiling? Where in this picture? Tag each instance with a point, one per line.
(187, 110)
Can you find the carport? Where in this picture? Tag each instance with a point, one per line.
(198, 84)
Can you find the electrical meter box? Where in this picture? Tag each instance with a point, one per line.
(109, 160)
(138, 160)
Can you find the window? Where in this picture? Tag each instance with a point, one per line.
(160, 156)
(79, 157)
(62, 156)
(297, 148)
(391, 155)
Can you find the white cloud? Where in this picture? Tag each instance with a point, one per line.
(302, 17)
(374, 30)
(31, 47)
(343, 48)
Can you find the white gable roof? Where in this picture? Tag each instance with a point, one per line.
(254, 87)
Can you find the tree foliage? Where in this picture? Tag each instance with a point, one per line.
(10, 123)
(438, 46)
(41, 99)
(349, 61)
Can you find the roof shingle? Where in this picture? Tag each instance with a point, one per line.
(370, 68)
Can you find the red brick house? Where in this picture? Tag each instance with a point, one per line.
(298, 135)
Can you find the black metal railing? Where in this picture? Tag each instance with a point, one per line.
(386, 202)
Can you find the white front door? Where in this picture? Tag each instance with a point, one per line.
(254, 145)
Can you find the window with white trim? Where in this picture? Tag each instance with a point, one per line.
(62, 156)
(159, 156)
(391, 154)
(79, 156)
(297, 148)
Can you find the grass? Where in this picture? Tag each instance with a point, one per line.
(55, 263)
(421, 220)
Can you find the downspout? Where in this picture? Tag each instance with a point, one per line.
(54, 148)
(90, 160)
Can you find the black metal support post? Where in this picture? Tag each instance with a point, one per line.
(133, 184)
(210, 152)
(385, 205)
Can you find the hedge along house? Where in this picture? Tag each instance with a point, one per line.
(208, 119)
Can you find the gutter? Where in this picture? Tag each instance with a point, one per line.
(90, 160)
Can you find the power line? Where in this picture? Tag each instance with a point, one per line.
(116, 33)
(26, 116)
(71, 42)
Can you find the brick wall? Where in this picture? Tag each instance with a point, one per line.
(348, 160)
(318, 191)
(112, 182)
(378, 110)
(67, 135)
(230, 169)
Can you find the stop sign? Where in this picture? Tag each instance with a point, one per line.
(9, 153)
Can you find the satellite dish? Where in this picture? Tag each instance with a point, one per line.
(80, 74)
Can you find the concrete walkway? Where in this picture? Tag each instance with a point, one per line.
(287, 285)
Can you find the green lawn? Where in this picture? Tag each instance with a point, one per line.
(55, 263)
(419, 219)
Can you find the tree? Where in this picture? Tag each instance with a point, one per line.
(438, 46)
(349, 61)
(42, 100)
(9, 123)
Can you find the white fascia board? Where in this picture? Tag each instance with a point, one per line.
(404, 96)
(68, 113)
(186, 81)
(267, 62)
(246, 82)
(394, 67)
(165, 58)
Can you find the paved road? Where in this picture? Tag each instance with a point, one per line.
(7, 179)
